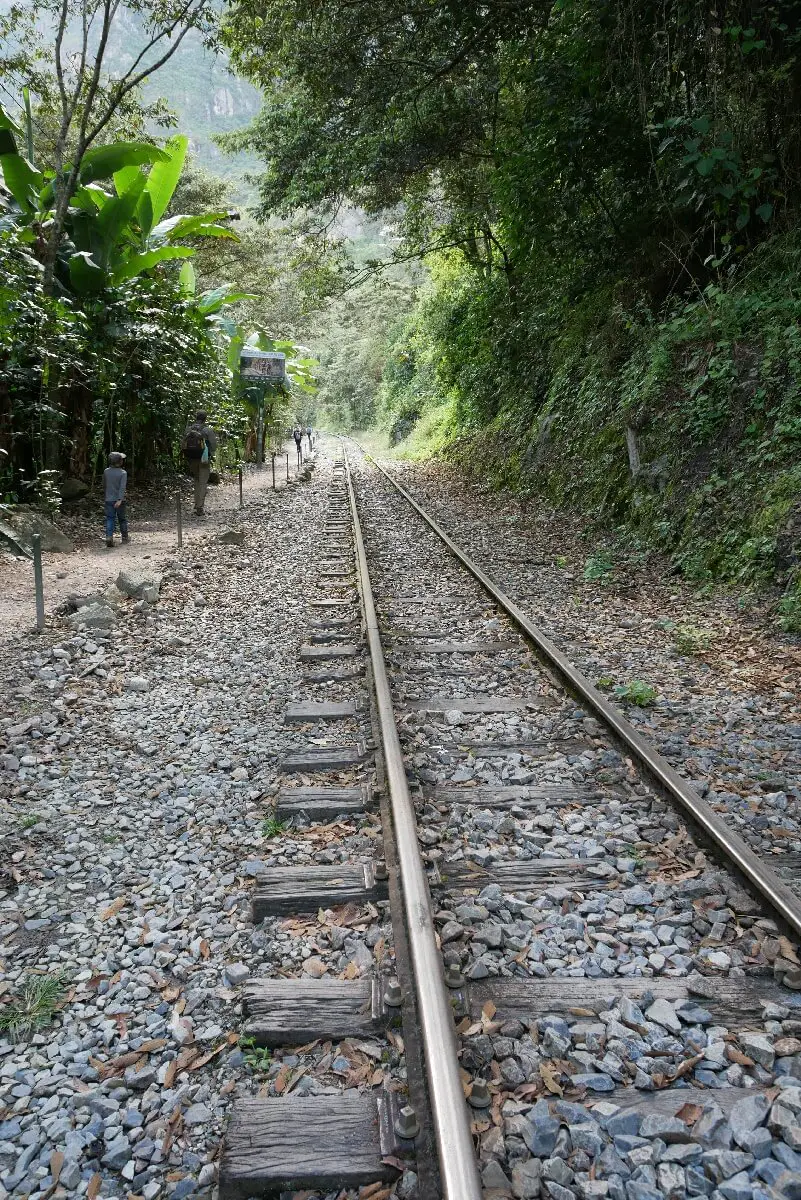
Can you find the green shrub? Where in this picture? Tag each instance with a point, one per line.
(598, 565)
(635, 692)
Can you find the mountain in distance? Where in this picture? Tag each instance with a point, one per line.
(197, 85)
(208, 99)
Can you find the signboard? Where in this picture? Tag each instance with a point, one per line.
(269, 365)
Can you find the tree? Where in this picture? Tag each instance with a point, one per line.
(113, 236)
(86, 100)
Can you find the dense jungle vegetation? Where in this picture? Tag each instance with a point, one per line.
(120, 307)
(607, 197)
(572, 262)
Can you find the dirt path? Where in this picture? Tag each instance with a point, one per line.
(92, 567)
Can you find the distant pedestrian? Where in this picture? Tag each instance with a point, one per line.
(199, 444)
(115, 483)
(309, 435)
(297, 434)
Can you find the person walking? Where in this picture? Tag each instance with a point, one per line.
(309, 435)
(297, 434)
(115, 483)
(199, 444)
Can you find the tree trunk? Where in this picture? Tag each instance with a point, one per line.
(6, 416)
(78, 414)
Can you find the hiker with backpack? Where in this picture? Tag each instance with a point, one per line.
(310, 435)
(297, 434)
(199, 444)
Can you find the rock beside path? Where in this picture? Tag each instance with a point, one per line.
(139, 585)
(19, 523)
(93, 616)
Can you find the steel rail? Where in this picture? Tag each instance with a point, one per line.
(781, 899)
(457, 1160)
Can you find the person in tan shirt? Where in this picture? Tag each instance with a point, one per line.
(199, 444)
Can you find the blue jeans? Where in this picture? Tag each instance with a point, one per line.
(116, 514)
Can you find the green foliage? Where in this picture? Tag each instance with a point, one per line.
(109, 237)
(83, 374)
(258, 1058)
(689, 639)
(34, 1009)
(272, 827)
(28, 820)
(607, 198)
(635, 692)
(351, 336)
(598, 566)
(789, 607)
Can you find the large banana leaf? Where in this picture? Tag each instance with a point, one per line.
(86, 276)
(115, 216)
(22, 180)
(212, 302)
(90, 198)
(8, 128)
(103, 162)
(187, 279)
(201, 225)
(162, 182)
(234, 351)
(138, 263)
(124, 178)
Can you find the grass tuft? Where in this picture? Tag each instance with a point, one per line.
(272, 827)
(35, 1008)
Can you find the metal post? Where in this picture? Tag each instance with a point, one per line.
(179, 516)
(38, 582)
(241, 504)
(272, 456)
(287, 467)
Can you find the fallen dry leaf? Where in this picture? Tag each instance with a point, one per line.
(116, 906)
(788, 949)
(56, 1163)
(689, 1113)
(550, 1077)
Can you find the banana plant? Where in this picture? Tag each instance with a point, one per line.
(111, 235)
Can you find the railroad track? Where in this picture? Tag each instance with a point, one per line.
(596, 984)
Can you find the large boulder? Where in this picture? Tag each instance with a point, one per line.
(18, 524)
(139, 585)
(72, 490)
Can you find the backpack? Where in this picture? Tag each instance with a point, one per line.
(194, 443)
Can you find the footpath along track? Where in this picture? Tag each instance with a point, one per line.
(626, 1012)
